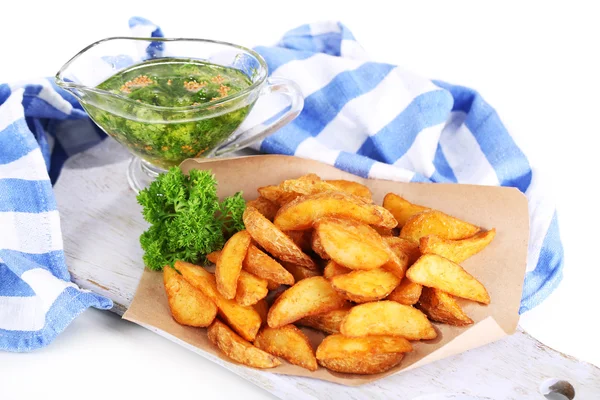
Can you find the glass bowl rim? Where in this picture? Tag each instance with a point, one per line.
(72, 85)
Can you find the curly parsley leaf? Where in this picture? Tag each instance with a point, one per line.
(187, 219)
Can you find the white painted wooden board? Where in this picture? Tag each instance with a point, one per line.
(101, 223)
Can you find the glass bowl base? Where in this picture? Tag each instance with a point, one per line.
(140, 174)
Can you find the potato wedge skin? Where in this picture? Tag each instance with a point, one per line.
(401, 208)
(438, 272)
(189, 306)
(363, 365)
(364, 286)
(328, 322)
(353, 188)
(387, 318)
(250, 289)
(308, 297)
(299, 272)
(351, 244)
(289, 343)
(407, 292)
(301, 238)
(441, 307)
(264, 206)
(244, 320)
(332, 269)
(229, 263)
(436, 223)
(260, 264)
(308, 184)
(239, 350)
(398, 261)
(214, 256)
(262, 308)
(339, 346)
(406, 246)
(300, 213)
(456, 250)
(276, 194)
(274, 240)
(317, 246)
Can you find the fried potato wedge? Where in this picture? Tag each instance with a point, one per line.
(328, 322)
(364, 286)
(250, 289)
(351, 243)
(332, 269)
(214, 256)
(271, 285)
(301, 238)
(398, 262)
(441, 307)
(435, 223)
(274, 240)
(363, 364)
(244, 320)
(401, 208)
(289, 343)
(239, 350)
(229, 263)
(262, 308)
(456, 250)
(264, 206)
(317, 246)
(308, 184)
(384, 232)
(299, 272)
(406, 246)
(189, 306)
(277, 195)
(353, 188)
(407, 292)
(258, 263)
(307, 297)
(387, 318)
(438, 272)
(302, 212)
(339, 346)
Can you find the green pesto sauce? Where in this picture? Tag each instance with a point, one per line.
(156, 135)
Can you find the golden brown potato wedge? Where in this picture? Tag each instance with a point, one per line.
(387, 318)
(384, 232)
(271, 285)
(244, 320)
(277, 195)
(339, 346)
(262, 308)
(401, 208)
(189, 306)
(441, 307)
(265, 207)
(438, 272)
(300, 213)
(406, 292)
(363, 364)
(332, 269)
(406, 246)
(274, 240)
(214, 256)
(239, 350)
(260, 264)
(301, 238)
(398, 262)
(229, 263)
(308, 184)
(351, 243)
(317, 246)
(307, 297)
(299, 272)
(436, 223)
(456, 250)
(364, 286)
(353, 188)
(328, 322)
(289, 343)
(250, 289)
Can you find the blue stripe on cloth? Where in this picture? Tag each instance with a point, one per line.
(66, 95)
(418, 178)
(327, 43)
(39, 131)
(58, 158)
(547, 274)
(69, 304)
(443, 171)
(53, 261)
(16, 142)
(13, 285)
(19, 195)
(394, 140)
(321, 107)
(355, 164)
(346, 33)
(4, 92)
(278, 56)
(507, 159)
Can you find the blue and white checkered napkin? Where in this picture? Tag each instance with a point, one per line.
(372, 119)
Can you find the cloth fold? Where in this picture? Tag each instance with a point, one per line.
(372, 119)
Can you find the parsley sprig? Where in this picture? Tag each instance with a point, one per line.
(187, 219)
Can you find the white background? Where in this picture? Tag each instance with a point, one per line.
(535, 62)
